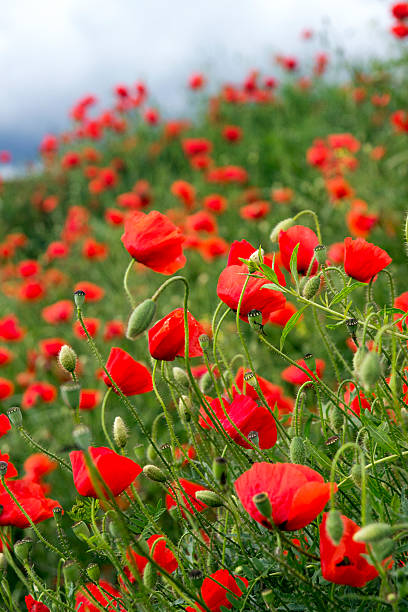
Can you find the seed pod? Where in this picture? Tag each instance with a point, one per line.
(334, 527)
(263, 504)
(297, 450)
(154, 473)
(209, 498)
(255, 319)
(22, 549)
(81, 530)
(79, 298)
(320, 254)
(373, 533)
(204, 342)
(82, 436)
(93, 572)
(219, 468)
(149, 576)
(370, 370)
(71, 571)
(282, 226)
(336, 418)
(140, 318)
(356, 474)
(311, 287)
(3, 468)
(71, 394)
(120, 434)
(15, 416)
(181, 378)
(67, 358)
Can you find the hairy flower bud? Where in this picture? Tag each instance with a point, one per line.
(297, 450)
(370, 370)
(263, 504)
(151, 453)
(336, 418)
(257, 256)
(373, 533)
(282, 226)
(209, 498)
(334, 526)
(181, 378)
(356, 474)
(120, 434)
(140, 319)
(311, 287)
(67, 358)
(358, 358)
(206, 383)
(149, 576)
(22, 549)
(154, 473)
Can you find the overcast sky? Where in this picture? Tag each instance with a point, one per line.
(54, 51)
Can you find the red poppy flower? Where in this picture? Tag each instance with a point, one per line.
(255, 210)
(296, 376)
(117, 471)
(215, 203)
(10, 328)
(114, 217)
(338, 188)
(228, 174)
(35, 606)
(31, 497)
(401, 302)
(154, 241)
(215, 589)
(103, 594)
(29, 267)
(335, 253)
(359, 221)
(56, 250)
(400, 10)
(167, 338)
(196, 81)
(185, 490)
(363, 260)
(345, 563)
(247, 417)
(400, 30)
(31, 290)
(296, 492)
(232, 133)
(93, 293)
(354, 400)
(60, 312)
(282, 195)
(180, 454)
(6, 356)
(196, 146)
(273, 393)
(213, 247)
(94, 250)
(307, 241)
(161, 554)
(5, 425)
(201, 221)
(282, 316)
(50, 347)
(42, 391)
(92, 325)
(6, 388)
(113, 329)
(38, 465)
(89, 399)
(132, 377)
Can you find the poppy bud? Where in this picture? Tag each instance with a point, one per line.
(257, 256)
(181, 378)
(184, 406)
(255, 319)
(219, 468)
(116, 528)
(93, 572)
(320, 254)
(297, 450)
(336, 418)
(143, 547)
(81, 530)
(149, 576)
(151, 453)
(334, 526)
(67, 358)
(154, 473)
(120, 434)
(358, 358)
(79, 298)
(209, 498)
(370, 370)
(282, 226)
(71, 571)
(3, 563)
(311, 287)
(82, 436)
(140, 318)
(71, 394)
(383, 548)
(15, 416)
(356, 474)
(204, 341)
(22, 549)
(206, 383)
(3, 468)
(373, 533)
(139, 452)
(263, 504)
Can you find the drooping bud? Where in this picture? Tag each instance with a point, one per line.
(219, 468)
(93, 572)
(373, 533)
(154, 473)
(209, 498)
(311, 287)
(79, 298)
(82, 436)
(181, 378)
(67, 358)
(149, 576)
(81, 530)
(255, 319)
(336, 418)
(139, 452)
(282, 226)
(334, 527)
(297, 450)
(120, 434)
(22, 549)
(71, 394)
(206, 383)
(356, 474)
(151, 453)
(71, 571)
(140, 319)
(204, 342)
(116, 528)
(320, 254)
(370, 370)
(358, 358)
(263, 504)
(15, 416)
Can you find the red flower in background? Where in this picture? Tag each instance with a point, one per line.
(117, 471)
(363, 260)
(89, 399)
(31, 497)
(10, 328)
(5, 425)
(38, 465)
(196, 81)
(215, 203)
(232, 133)
(93, 293)
(215, 589)
(6, 388)
(132, 377)
(296, 376)
(400, 10)
(103, 597)
(359, 221)
(161, 554)
(354, 400)
(282, 316)
(92, 325)
(167, 338)
(273, 393)
(35, 606)
(185, 490)
(38, 391)
(255, 210)
(6, 356)
(60, 312)
(154, 241)
(296, 492)
(345, 563)
(31, 290)
(307, 241)
(29, 267)
(202, 221)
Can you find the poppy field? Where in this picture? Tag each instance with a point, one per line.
(203, 348)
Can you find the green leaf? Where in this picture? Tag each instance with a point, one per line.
(82, 510)
(291, 323)
(273, 286)
(382, 438)
(293, 264)
(345, 292)
(269, 273)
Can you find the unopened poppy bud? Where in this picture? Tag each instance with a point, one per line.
(334, 527)
(116, 528)
(184, 406)
(358, 358)
(257, 256)
(263, 504)
(268, 598)
(71, 394)
(219, 468)
(181, 378)
(255, 319)
(71, 571)
(370, 370)
(81, 530)
(383, 548)
(140, 319)
(282, 226)
(22, 549)
(139, 452)
(15, 416)
(93, 572)
(3, 468)
(120, 434)
(373, 533)
(297, 450)
(154, 473)
(143, 547)
(336, 418)
(204, 342)
(311, 287)
(82, 436)
(206, 383)
(149, 576)
(3, 563)
(209, 498)
(151, 453)
(356, 474)
(79, 298)
(67, 358)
